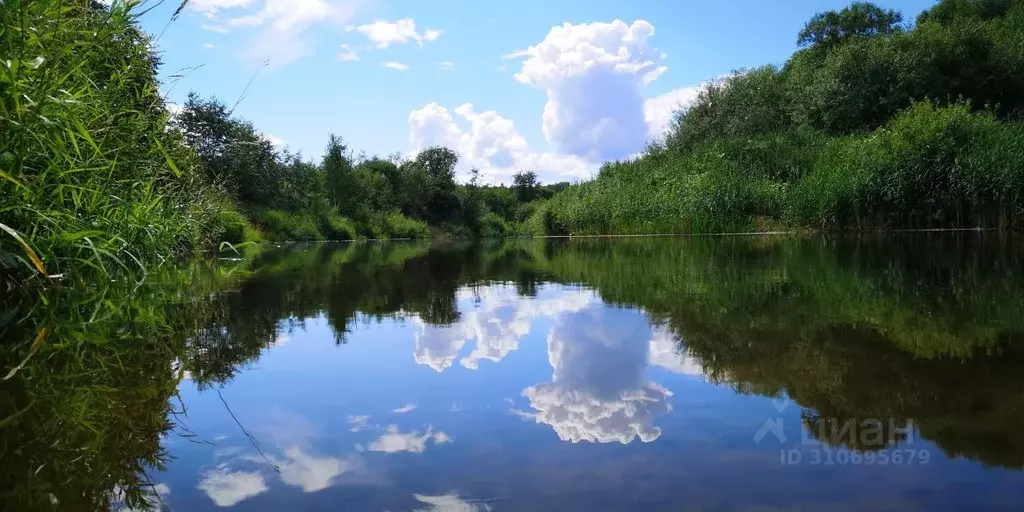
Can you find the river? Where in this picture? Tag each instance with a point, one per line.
(847, 372)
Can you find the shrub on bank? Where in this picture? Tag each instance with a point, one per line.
(288, 226)
(393, 224)
(336, 227)
(493, 226)
(929, 167)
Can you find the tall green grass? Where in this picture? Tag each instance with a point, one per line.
(928, 168)
(89, 175)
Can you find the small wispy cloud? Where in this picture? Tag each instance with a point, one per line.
(394, 65)
(209, 46)
(347, 53)
(446, 65)
(385, 33)
(516, 54)
(215, 28)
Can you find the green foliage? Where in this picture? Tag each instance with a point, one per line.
(289, 226)
(388, 225)
(870, 126)
(236, 227)
(493, 226)
(747, 103)
(929, 167)
(860, 19)
(89, 175)
(863, 84)
(341, 184)
(232, 152)
(525, 185)
(948, 12)
(335, 227)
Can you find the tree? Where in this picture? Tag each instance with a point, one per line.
(947, 12)
(860, 19)
(525, 185)
(231, 151)
(438, 163)
(338, 171)
(373, 193)
(472, 202)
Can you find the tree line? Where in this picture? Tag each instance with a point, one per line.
(344, 196)
(875, 122)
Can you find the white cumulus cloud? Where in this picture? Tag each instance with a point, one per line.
(490, 143)
(385, 33)
(593, 75)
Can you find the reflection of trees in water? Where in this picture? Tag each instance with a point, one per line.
(920, 327)
(87, 413)
(923, 327)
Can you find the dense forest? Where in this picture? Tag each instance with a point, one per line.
(876, 122)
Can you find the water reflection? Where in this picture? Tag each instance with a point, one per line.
(499, 318)
(227, 488)
(599, 390)
(682, 343)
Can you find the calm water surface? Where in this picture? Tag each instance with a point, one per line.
(739, 373)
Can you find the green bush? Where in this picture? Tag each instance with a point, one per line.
(493, 226)
(336, 227)
(929, 167)
(392, 224)
(747, 103)
(288, 226)
(237, 228)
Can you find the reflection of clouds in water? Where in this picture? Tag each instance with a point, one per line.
(393, 441)
(497, 323)
(309, 472)
(666, 351)
(405, 408)
(599, 392)
(449, 503)
(227, 488)
(357, 423)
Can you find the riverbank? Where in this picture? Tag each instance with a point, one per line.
(877, 124)
(872, 124)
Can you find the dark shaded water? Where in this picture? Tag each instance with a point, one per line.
(881, 372)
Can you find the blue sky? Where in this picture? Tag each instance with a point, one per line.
(556, 86)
